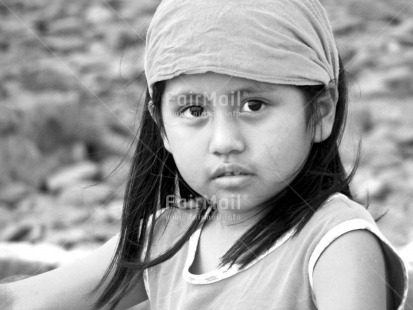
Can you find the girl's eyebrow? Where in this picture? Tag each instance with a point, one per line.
(252, 89)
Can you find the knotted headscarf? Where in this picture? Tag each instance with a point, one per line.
(274, 41)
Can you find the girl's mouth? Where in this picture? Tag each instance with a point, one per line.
(230, 170)
(232, 180)
(231, 173)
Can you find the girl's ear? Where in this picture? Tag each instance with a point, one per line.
(151, 109)
(326, 114)
(152, 112)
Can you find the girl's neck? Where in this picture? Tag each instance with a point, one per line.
(234, 221)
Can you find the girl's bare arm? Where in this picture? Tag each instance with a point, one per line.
(351, 274)
(68, 286)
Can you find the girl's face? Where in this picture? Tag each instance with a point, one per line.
(235, 141)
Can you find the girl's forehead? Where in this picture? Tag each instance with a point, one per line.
(211, 81)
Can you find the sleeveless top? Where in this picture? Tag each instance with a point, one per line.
(279, 279)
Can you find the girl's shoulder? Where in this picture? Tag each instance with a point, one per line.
(339, 208)
(340, 215)
(337, 215)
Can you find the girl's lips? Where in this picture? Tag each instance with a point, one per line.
(230, 170)
(233, 180)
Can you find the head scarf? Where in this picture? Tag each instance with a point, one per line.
(274, 41)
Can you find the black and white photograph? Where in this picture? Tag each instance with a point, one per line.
(206, 154)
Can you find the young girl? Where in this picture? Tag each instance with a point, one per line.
(237, 197)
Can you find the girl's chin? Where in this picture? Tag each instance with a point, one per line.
(234, 202)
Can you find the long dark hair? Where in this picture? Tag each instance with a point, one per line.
(154, 176)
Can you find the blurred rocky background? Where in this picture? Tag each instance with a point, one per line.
(71, 85)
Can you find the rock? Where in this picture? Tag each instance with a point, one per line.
(119, 191)
(62, 124)
(104, 231)
(69, 238)
(4, 92)
(386, 115)
(348, 25)
(130, 66)
(72, 175)
(366, 187)
(67, 44)
(14, 192)
(394, 226)
(141, 26)
(379, 149)
(406, 40)
(111, 213)
(7, 215)
(86, 195)
(371, 84)
(97, 83)
(115, 170)
(399, 58)
(38, 79)
(37, 204)
(408, 169)
(10, 120)
(114, 4)
(119, 38)
(85, 63)
(403, 135)
(20, 159)
(64, 217)
(385, 160)
(393, 177)
(358, 60)
(41, 25)
(374, 10)
(35, 5)
(69, 26)
(364, 119)
(143, 9)
(404, 32)
(78, 152)
(114, 211)
(111, 144)
(25, 231)
(99, 14)
(399, 81)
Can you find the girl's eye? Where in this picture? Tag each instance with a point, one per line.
(193, 111)
(252, 106)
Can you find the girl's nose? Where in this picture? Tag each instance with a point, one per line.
(226, 135)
